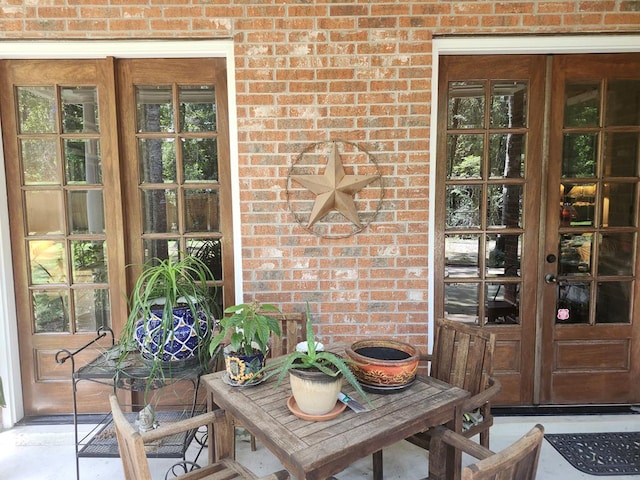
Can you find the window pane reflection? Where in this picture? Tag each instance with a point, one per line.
(503, 303)
(575, 254)
(40, 163)
(579, 155)
(461, 300)
(582, 104)
(462, 255)
(163, 249)
(506, 156)
(466, 105)
(86, 211)
(578, 206)
(157, 160)
(50, 311)
(80, 109)
(37, 109)
(43, 209)
(463, 206)
(82, 161)
(154, 109)
(503, 255)
(621, 154)
(92, 309)
(210, 252)
(617, 254)
(89, 261)
(505, 206)
(202, 210)
(623, 103)
(200, 159)
(159, 211)
(573, 303)
(618, 205)
(508, 104)
(464, 156)
(197, 108)
(48, 262)
(613, 302)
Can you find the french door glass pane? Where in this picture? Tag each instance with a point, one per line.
(505, 206)
(161, 248)
(621, 154)
(157, 160)
(463, 206)
(613, 302)
(47, 262)
(83, 164)
(506, 155)
(466, 105)
(80, 109)
(574, 299)
(616, 255)
(582, 104)
(37, 109)
(201, 210)
(154, 107)
(197, 108)
(503, 253)
(40, 163)
(509, 104)
(623, 103)
(464, 156)
(89, 261)
(200, 159)
(619, 206)
(575, 254)
(503, 303)
(462, 255)
(579, 155)
(44, 212)
(210, 252)
(51, 311)
(92, 309)
(159, 211)
(579, 200)
(86, 211)
(461, 300)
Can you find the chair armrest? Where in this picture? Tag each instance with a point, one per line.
(182, 426)
(483, 397)
(459, 442)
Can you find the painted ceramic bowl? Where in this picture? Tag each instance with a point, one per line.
(383, 362)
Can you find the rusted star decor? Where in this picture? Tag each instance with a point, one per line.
(334, 190)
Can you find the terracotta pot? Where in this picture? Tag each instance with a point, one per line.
(316, 393)
(383, 362)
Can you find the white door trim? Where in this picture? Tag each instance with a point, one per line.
(57, 49)
(502, 45)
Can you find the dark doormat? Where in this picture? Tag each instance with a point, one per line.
(611, 453)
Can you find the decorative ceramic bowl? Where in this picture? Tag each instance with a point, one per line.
(383, 362)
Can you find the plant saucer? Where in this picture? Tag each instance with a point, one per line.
(251, 383)
(293, 408)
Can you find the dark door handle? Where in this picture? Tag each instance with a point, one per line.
(550, 278)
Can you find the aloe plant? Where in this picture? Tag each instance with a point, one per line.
(325, 362)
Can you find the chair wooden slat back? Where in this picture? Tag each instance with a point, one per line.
(519, 461)
(462, 355)
(294, 330)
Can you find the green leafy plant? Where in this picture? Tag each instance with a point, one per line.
(248, 327)
(325, 362)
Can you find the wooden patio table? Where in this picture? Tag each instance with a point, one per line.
(317, 450)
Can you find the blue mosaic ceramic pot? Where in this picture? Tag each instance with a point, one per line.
(180, 344)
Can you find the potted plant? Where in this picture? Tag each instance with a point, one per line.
(316, 375)
(171, 312)
(247, 327)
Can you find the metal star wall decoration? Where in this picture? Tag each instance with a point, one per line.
(334, 189)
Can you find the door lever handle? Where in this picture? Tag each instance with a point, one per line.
(550, 278)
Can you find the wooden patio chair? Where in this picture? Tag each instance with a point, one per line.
(462, 356)
(519, 461)
(131, 445)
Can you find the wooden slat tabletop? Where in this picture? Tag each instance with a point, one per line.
(316, 450)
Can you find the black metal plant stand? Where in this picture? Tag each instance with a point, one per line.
(132, 374)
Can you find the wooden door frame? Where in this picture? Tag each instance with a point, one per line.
(50, 50)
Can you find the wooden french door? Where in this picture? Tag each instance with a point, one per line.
(109, 163)
(537, 224)
(590, 331)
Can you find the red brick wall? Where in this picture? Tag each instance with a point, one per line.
(322, 70)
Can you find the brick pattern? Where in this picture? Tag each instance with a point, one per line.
(310, 71)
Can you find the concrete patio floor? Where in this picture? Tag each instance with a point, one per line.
(47, 452)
